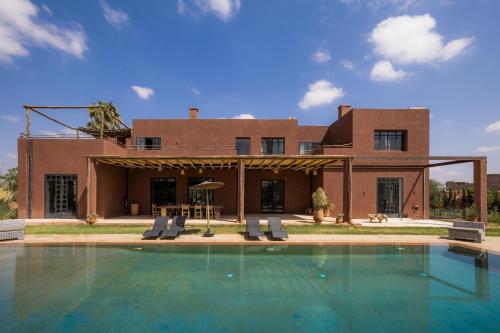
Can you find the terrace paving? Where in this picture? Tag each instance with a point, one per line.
(491, 243)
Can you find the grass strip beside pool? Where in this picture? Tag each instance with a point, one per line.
(233, 229)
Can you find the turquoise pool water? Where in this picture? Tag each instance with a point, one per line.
(248, 289)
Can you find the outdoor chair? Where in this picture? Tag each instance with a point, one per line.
(275, 228)
(185, 211)
(158, 226)
(12, 229)
(154, 211)
(175, 229)
(198, 212)
(253, 228)
(467, 230)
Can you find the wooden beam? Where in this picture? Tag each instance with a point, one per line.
(347, 202)
(241, 190)
(89, 184)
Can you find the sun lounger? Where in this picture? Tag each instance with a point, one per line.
(467, 230)
(253, 227)
(275, 228)
(175, 229)
(159, 225)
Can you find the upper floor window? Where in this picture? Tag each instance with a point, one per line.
(272, 146)
(148, 143)
(390, 140)
(243, 146)
(307, 148)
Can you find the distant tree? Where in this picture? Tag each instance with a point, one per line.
(493, 201)
(110, 114)
(435, 193)
(8, 194)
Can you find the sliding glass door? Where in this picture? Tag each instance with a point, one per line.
(60, 196)
(389, 196)
(272, 196)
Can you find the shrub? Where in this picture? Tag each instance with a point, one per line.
(319, 199)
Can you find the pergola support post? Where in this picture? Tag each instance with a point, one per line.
(241, 190)
(89, 185)
(347, 195)
(480, 189)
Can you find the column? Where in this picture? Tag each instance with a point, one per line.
(241, 191)
(347, 190)
(480, 189)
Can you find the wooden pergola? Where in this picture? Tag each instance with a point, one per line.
(303, 163)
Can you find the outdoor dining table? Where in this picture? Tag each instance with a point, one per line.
(164, 208)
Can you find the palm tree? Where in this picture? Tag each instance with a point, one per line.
(106, 110)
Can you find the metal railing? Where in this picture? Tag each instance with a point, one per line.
(446, 213)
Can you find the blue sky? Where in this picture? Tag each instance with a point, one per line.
(263, 59)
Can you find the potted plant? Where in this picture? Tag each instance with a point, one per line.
(326, 208)
(91, 219)
(319, 201)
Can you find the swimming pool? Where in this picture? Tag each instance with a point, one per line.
(397, 288)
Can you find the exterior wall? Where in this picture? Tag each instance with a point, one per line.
(139, 187)
(494, 182)
(204, 137)
(55, 156)
(111, 190)
(364, 190)
(111, 186)
(297, 190)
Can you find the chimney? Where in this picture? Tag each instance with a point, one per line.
(193, 113)
(343, 109)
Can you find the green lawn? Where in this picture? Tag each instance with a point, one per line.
(232, 229)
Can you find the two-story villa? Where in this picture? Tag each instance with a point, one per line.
(368, 161)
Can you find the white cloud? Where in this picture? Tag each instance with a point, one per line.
(376, 4)
(11, 119)
(449, 122)
(493, 127)
(413, 40)
(244, 116)
(21, 27)
(143, 92)
(223, 9)
(320, 93)
(384, 71)
(488, 149)
(47, 10)
(195, 91)
(115, 17)
(12, 156)
(321, 56)
(348, 64)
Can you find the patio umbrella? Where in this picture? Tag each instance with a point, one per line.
(205, 186)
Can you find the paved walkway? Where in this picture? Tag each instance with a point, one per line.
(289, 219)
(491, 244)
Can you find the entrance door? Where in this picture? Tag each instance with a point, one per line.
(163, 191)
(272, 197)
(60, 196)
(389, 193)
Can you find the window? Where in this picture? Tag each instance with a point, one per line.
(272, 146)
(243, 146)
(199, 197)
(148, 143)
(307, 148)
(389, 140)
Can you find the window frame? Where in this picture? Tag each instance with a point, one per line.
(313, 146)
(279, 141)
(141, 142)
(249, 145)
(384, 140)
